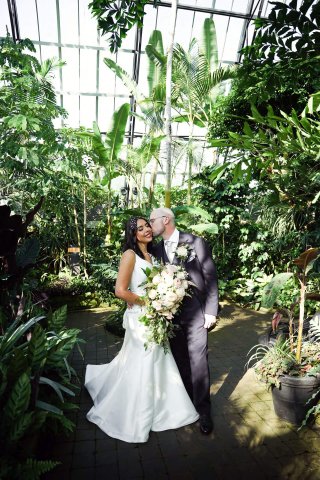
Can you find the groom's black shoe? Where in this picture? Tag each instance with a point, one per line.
(206, 424)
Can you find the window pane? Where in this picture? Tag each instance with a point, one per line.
(88, 70)
(27, 19)
(184, 31)
(105, 111)
(70, 72)
(221, 24)
(87, 111)
(106, 76)
(88, 25)
(149, 24)
(240, 6)
(232, 41)
(69, 21)
(47, 20)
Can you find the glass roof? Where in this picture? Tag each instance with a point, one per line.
(86, 88)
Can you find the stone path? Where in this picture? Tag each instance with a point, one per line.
(248, 442)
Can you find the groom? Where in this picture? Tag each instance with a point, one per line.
(198, 312)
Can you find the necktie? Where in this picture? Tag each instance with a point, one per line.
(168, 247)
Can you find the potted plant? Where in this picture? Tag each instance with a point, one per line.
(291, 364)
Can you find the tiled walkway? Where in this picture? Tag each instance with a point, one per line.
(248, 442)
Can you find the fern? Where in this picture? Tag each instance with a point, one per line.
(33, 469)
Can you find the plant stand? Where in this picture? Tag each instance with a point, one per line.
(290, 400)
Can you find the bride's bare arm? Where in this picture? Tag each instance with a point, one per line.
(126, 267)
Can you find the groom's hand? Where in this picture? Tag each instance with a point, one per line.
(209, 321)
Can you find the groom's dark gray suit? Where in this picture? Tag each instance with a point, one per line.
(190, 344)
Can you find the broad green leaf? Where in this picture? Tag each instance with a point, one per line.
(205, 227)
(256, 115)
(116, 131)
(218, 171)
(19, 398)
(47, 407)
(57, 387)
(14, 333)
(126, 78)
(58, 319)
(208, 44)
(306, 258)
(154, 70)
(20, 426)
(37, 347)
(273, 288)
(197, 211)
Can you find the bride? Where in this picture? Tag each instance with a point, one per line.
(140, 390)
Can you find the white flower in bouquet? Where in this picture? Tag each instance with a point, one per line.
(171, 297)
(185, 252)
(166, 286)
(182, 251)
(156, 305)
(180, 292)
(152, 294)
(167, 278)
(162, 288)
(156, 279)
(181, 275)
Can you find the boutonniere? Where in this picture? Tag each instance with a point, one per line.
(185, 252)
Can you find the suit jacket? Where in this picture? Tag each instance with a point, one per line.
(200, 267)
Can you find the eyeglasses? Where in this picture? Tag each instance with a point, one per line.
(152, 220)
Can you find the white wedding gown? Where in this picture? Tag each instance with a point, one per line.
(140, 390)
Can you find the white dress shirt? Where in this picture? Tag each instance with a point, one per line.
(170, 244)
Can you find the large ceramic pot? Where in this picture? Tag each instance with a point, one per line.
(290, 400)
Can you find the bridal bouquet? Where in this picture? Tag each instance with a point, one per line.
(166, 286)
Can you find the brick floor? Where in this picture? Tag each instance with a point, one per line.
(248, 442)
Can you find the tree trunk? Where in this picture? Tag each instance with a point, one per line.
(301, 318)
(174, 8)
(153, 178)
(84, 233)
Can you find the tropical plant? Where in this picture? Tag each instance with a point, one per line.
(197, 81)
(27, 110)
(296, 356)
(280, 68)
(303, 265)
(105, 154)
(118, 18)
(278, 359)
(35, 378)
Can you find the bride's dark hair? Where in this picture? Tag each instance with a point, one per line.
(130, 237)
